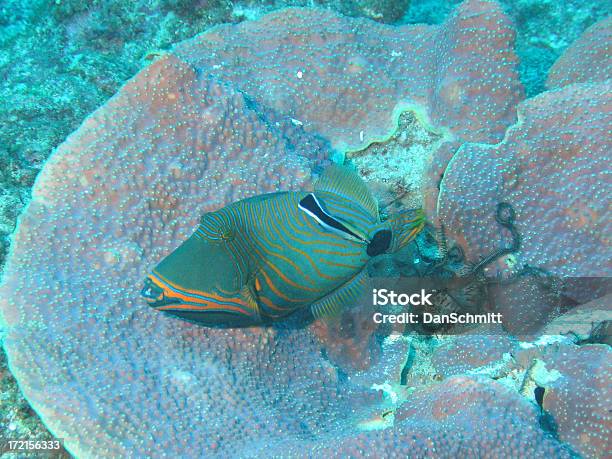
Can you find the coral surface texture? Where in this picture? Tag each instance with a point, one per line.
(123, 122)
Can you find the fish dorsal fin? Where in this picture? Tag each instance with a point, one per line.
(344, 296)
(346, 183)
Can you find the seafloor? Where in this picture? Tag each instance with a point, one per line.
(62, 59)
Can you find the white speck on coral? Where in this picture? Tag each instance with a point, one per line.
(544, 340)
(393, 338)
(494, 369)
(542, 375)
(299, 74)
(182, 377)
(296, 122)
(361, 136)
(243, 12)
(387, 390)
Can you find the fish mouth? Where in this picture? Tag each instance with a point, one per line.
(155, 294)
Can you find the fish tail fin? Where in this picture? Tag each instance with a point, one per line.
(406, 225)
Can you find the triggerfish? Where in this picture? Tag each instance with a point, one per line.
(262, 258)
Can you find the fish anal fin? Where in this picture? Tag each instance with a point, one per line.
(348, 338)
(345, 296)
(345, 182)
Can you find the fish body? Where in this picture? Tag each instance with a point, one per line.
(262, 258)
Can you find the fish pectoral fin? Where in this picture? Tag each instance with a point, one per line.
(345, 296)
(344, 181)
(248, 296)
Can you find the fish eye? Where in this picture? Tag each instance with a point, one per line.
(380, 243)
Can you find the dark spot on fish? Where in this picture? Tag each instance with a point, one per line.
(539, 395)
(380, 243)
